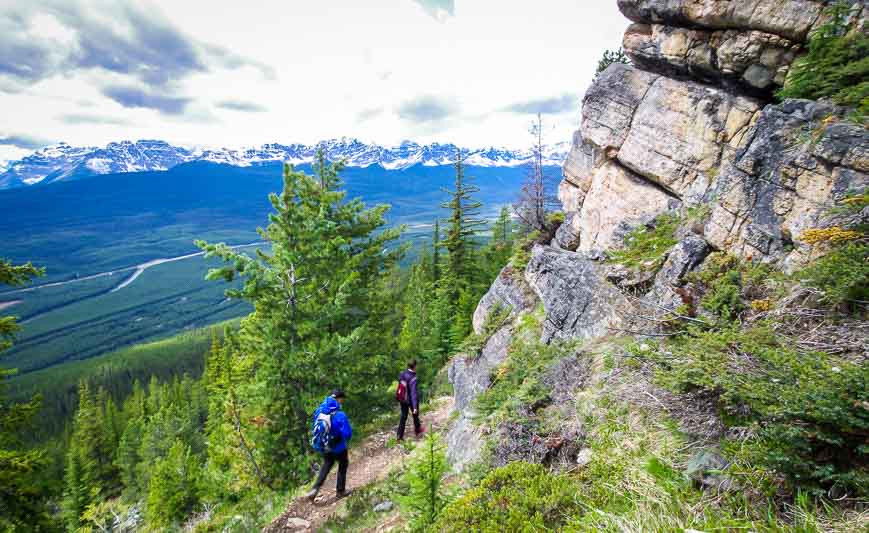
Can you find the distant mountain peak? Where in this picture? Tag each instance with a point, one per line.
(63, 161)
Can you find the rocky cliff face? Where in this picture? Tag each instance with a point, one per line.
(691, 126)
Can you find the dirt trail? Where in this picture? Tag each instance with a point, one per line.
(370, 462)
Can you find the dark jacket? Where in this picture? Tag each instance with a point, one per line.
(341, 429)
(409, 377)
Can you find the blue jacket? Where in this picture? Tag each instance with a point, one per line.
(341, 429)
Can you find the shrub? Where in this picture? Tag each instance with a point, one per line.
(174, 486)
(522, 250)
(518, 381)
(518, 497)
(729, 285)
(807, 411)
(646, 247)
(842, 275)
(473, 344)
(836, 65)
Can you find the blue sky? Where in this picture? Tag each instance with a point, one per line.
(230, 73)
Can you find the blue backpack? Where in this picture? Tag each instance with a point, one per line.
(322, 439)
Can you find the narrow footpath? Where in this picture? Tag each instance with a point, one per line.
(370, 462)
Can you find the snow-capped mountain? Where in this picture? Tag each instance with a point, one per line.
(65, 162)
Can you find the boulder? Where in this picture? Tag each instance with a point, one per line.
(509, 291)
(384, 507)
(706, 468)
(470, 377)
(791, 19)
(568, 235)
(687, 255)
(750, 61)
(295, 523)
(578, 301)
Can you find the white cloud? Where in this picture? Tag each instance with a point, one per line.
(321, 70)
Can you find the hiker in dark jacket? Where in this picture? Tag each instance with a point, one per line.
(408, 377)
(341, 433)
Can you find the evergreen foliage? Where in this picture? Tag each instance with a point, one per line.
(646, 246)
(426, 495)
(836, 64)
(21, 503)
(518, 497)
(316, 324)
(609, 57)
(174, 487)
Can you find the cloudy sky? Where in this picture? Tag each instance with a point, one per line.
(235, 73)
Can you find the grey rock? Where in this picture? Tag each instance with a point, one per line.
(464, 442)
(684, 257)
(568, 235)
(792, 19)
(706, 468)
(295, 523)
(801, 157)
(578, 301)
(748, 61)
(508, 291)
(584, 456)
(384, 507)
(470, 377)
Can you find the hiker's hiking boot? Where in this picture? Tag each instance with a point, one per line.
(343, 493)
(311, 495)
(422, 430)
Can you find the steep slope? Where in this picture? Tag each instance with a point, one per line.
(684, 172)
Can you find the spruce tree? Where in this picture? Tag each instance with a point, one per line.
(462, 228)
(22, 506)
(462, 280)
(90, 457)
(436, 253)
(173, 491)
(314, 318)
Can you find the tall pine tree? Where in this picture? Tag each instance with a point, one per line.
(315, 311)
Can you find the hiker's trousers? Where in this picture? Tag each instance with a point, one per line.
(328, 461)
(405, 407)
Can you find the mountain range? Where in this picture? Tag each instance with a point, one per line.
(63, 162)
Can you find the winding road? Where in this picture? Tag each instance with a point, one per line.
(137, 271)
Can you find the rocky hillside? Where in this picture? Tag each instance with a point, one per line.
(683, 162)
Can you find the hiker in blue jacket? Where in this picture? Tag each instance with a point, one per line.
(341, 433)
(409, 400)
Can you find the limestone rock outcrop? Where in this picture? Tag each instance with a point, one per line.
(578, 301)
(753, 61)
(692, 123)
(691, 129)
(508, 292)
(800, 158)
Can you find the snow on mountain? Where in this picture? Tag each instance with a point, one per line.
(64, 162)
